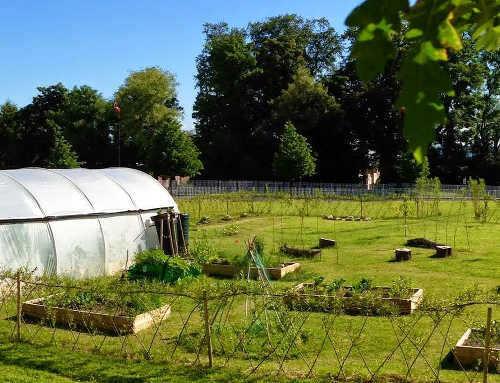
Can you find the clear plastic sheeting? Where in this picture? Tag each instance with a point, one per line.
(150, 231)
(134, 181)
(79, 247)
(27, 245)
(124, 237)
(16, 201)
(54, 193)
(78, 222)
(105, 195)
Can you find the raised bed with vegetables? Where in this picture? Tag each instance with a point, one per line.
(360, 298)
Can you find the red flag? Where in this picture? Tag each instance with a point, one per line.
(117, 109)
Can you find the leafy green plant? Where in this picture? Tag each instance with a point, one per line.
(335, 285)
(203, 251)
(155, 265)
(204, 220)
(151, 257)
(478, 194)
(318, 280)
(401, 287)
(178, 268)
(362, 286)
(232, 229)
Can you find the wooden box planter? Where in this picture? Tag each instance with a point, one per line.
(469, 355)
(221, 269)
(403, 254)
(443, 251)
(92, 320)
(277, 272)
(231, 271)
(404, 305)
(325, 242)
(296, 252)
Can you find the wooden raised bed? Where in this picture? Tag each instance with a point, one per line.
(309, 253)
(92, 320)
(228, 270)
(277, 272)
(404, 305)
(469, 355)
(221, 269)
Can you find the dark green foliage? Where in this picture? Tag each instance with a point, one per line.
(105, 295)
(433, 28)
(249, 80)
(362, 285)
(155, 265)
(294, 159)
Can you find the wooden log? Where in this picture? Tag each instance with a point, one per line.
(325, 242)
(443, 251)
(300, 252)
(403, 254)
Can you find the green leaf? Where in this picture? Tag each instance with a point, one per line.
(448, 36)
(374, 11)
(430, 53)
(414, 33)
(377, 21)
(372, 55)
(420, 99)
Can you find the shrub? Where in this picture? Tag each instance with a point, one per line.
(203, 251)
(155, 265)
(231, 229)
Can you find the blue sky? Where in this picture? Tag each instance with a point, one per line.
(97, 43)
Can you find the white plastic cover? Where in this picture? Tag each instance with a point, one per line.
(27, 245)
(103, 193)
(134, 182)
(124, 237)
(16, 201)
(78, 246)
(55, 194)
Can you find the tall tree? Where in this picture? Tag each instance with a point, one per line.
(294, 159)
(88, 121)
(8, 134)
(151, 131)
(240, 73)
(39, 131)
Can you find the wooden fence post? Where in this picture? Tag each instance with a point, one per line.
(207, 330)
(18, 301)
(486, 354)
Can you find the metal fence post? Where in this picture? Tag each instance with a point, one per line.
(18, 301)
(207, 330)
(486, 354)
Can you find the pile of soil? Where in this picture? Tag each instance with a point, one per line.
(423, 243)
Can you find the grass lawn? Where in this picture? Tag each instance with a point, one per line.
(364, 250)
(25, 363)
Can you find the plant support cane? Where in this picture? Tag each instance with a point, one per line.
(18, 298)
(207, 329)
(486, 354)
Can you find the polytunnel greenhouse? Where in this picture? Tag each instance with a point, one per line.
(78, 222)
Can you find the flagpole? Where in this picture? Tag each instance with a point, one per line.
(119, 147)
(117, 109)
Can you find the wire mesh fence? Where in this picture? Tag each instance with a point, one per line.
(214, 207)
(256, 329)
(204, 187)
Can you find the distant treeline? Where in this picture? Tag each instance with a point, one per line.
(251, 82)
